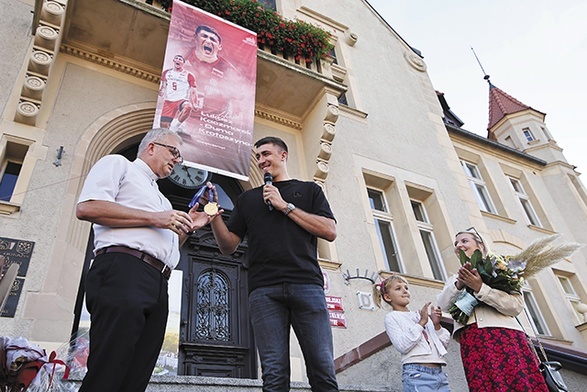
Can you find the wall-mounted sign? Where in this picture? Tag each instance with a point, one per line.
(334, 303)
(19, 252)
(336, 311)
(365, 300)
(12, 300)
(337, 319)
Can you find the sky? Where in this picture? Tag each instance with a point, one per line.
(535, 51)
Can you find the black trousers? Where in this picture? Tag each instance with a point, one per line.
(128, 303)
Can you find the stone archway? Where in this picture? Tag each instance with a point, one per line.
(116, 131)
(113, 130)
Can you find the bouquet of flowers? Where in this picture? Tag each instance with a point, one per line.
(507, 273)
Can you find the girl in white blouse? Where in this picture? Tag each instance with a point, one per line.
(418, 336)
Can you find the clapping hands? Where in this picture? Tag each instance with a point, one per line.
(433, 313)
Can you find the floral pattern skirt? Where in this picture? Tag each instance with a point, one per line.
(499, 360)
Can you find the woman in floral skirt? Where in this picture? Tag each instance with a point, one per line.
(495, 352)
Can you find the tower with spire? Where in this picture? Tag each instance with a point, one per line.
(520, 126)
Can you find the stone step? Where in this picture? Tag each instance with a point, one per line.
(213, 384)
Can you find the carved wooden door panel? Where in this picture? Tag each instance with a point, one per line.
(215, 334)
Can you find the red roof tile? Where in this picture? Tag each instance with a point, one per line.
(501, 104)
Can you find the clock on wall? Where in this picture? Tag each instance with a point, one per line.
(188, 176)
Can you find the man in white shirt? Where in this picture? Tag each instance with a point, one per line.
(137, 235)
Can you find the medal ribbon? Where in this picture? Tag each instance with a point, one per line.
(199, 194)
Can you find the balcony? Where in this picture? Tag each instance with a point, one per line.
(130, 36)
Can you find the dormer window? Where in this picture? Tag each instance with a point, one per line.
(510, 142)
(528, 134)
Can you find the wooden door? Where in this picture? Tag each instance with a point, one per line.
(215, 333)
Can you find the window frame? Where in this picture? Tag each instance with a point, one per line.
(426, 227)
(14, 149)
(527, 132)
(385, 217)
(572, 298)
(509, 141)
(547, 133)
(525, 202)
(478, 187)
(4, 166)
(533, 312)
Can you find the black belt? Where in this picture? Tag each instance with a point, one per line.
(147, 258)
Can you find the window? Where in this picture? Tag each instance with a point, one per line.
(571, 296)
(427, 235)
(478, 187)
(578, 186)
(12, 157)
(547, 133)
(340, 74)
(510, 142)
(384, 226)
(332, 53)
(525, 202)
(533, 311)
(8, 181)
(268, 4)
(528, 134)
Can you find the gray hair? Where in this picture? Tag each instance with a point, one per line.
(154, 135)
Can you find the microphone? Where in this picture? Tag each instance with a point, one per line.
(268, 181)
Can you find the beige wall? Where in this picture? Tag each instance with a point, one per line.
(551, 193)
(391, 139)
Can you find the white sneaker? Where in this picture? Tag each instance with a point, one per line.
(174, 126)
(181, 129)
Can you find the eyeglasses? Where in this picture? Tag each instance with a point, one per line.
(173, 150)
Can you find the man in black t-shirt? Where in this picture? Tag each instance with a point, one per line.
(282, 222)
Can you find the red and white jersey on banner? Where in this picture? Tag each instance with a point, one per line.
(177, 84)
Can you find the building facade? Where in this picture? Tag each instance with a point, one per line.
(80, 80)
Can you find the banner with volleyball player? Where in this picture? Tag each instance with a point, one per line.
(207, 92)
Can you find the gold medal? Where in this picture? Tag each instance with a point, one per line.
(211, 209)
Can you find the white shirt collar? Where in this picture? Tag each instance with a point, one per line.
(145, 168)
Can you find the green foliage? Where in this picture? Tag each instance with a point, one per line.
(498, 272)
(507, 273)
(495, 271)
(295, 38)
(171, 342)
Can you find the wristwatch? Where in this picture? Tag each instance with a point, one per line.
(290, 208)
